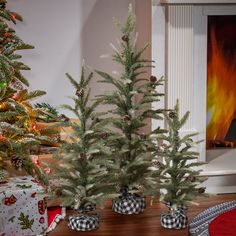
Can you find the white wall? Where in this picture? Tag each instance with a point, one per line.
(64, 33)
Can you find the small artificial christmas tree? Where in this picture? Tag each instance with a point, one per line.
(131, 150)
(82, 172)
(179, 176)
(17, 129)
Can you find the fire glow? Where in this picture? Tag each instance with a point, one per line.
(221, 90)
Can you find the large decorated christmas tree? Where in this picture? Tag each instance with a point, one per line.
(128, 115)
(17, 117)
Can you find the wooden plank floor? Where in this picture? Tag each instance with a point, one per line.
(145, 224)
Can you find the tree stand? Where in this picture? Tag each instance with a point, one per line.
(175, 219)
(129, 203)
(85, 220)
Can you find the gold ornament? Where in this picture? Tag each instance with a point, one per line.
(3, 106)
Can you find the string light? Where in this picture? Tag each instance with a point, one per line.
(13, 15)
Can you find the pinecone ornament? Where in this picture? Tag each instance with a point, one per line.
(63, 118)
(153, 79)
(126, 118)
(104, 135)
(201, 190)
(172, 114)
(17, 162)
(191, 178)
(125, 38)
(97, 120)
(79, 92)
(58, 192)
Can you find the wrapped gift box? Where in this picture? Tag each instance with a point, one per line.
(23, 208)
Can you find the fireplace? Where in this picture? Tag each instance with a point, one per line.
(183, 45)
(180, 48)
(221, 82)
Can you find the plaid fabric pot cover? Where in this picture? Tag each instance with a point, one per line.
(129, 203)
(175, 219)
(84, 221)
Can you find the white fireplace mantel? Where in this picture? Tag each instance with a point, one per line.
(156, 2)
(179, 47)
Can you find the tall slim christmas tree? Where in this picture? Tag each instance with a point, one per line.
(131, 150)
(180, 169)
(17, 127)
(84, 179)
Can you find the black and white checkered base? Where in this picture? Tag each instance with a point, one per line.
(175, 219)
(199, 225)
(83, 222)
(128, 204)
(86, 220)
(87, 208)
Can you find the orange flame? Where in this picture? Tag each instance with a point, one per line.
(221, 92)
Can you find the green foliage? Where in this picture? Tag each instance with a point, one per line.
(46, 112)
(180, 169)
(129, 27)
(131, 149)
(17, 116)
(83, 170)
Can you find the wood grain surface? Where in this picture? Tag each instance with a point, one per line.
(145, 224)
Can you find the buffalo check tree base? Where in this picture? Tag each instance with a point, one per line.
(84, 222)
(129, 204)
(174, 220)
